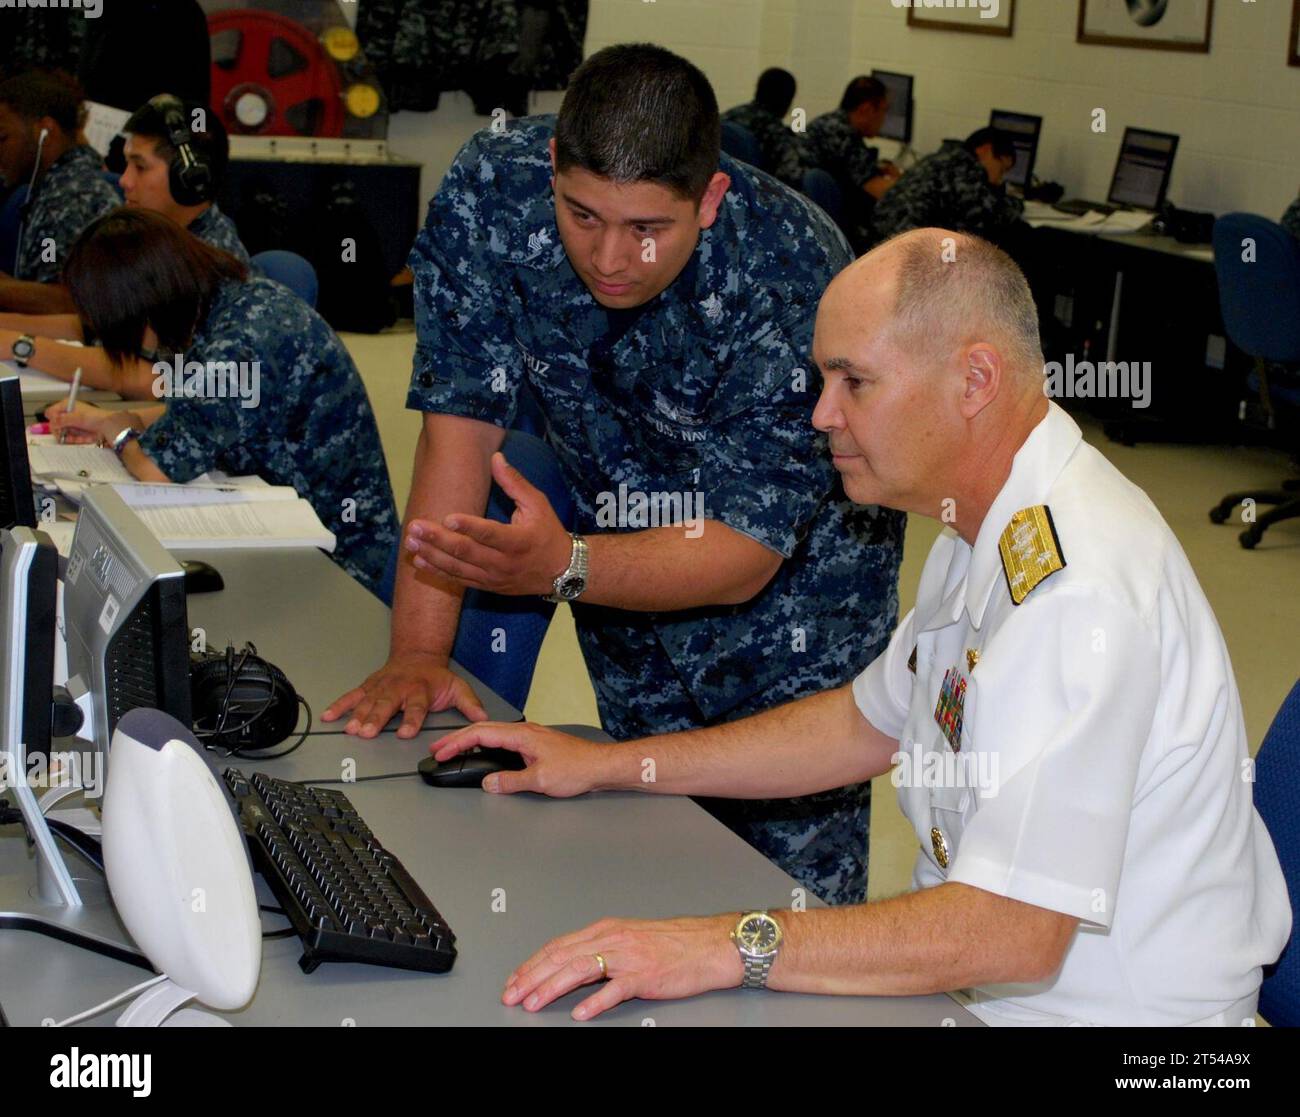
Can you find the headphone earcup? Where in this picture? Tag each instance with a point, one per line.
(258, 681)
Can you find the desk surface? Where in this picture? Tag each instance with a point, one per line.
(315, 622)
(560, 863)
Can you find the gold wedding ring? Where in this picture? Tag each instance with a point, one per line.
(604, 970)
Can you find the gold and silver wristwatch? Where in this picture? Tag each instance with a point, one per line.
(570, 584)
(758, 938)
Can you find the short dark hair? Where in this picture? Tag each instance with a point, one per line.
(636, 113)
(34, 94)
(132, 269)
(212, 145)
(1003, 146)
(861, 90)
(775, 90)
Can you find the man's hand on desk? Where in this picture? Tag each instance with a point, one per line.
(524, 556)
(412, 682)
(656, 960)
(559, 765)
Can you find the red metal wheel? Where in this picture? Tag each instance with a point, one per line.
(272, 77)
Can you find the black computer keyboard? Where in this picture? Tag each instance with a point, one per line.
(1078, 207)
(349, 899)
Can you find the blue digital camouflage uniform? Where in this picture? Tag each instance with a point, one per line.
(783, 153)
(949, 189)
(313, 427)
(68, 196)
(833, 144)
(709, 389)
(215, 228)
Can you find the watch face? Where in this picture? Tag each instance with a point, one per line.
(571, 586)
(759, 934)
(22, 348)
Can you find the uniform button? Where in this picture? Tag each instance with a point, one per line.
(425, 379)
(940, 847)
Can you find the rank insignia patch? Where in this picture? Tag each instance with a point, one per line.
(1030, 550)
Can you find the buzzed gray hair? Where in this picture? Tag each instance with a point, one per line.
(955, 288)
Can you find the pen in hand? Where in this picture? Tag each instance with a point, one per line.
(72, 401)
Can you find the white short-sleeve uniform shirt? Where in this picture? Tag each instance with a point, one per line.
(1101, 767)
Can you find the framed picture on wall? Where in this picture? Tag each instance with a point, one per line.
(1154, 24)
(1293, 56)
(985, 17)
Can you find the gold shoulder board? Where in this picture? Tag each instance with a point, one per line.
(1030, 550)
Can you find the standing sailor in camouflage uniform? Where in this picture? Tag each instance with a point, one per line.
(834, 143)
(958, 187)
(658, 301)
(149, 178)
(764, 119)
(264, 385)
(38, 135)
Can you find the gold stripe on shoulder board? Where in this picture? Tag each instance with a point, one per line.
(1030, 550)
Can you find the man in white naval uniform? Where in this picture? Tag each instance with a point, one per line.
(1059, 706)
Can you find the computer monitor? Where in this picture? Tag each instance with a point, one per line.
(1024, 130)
(1146, 160)
(17, 505)
(898, 120)
(29, 567)
(125, 619)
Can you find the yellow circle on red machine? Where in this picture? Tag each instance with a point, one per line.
(340, 43)
(362, 100)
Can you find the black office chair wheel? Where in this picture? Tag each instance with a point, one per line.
(1250, 537)
(1219, 514)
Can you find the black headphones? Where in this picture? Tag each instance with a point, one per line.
(241, 703)
(189, 176)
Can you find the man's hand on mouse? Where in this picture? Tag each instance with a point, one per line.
(559, 765)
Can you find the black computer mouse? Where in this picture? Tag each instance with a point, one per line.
(469, 768)
(201, 578)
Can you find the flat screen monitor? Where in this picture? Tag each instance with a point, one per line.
(1023, 130)
(17, 505)
(125, 618)
(898, 120)
(1146, 160)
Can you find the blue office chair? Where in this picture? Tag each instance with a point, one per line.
(1277, 798)
(740, 143)
(11, 219)
(115, 181)
(499, 638)
(820, 187)
(1260, 299)
(291, 270)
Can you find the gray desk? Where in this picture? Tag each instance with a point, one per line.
(562, 864)
(310, 618)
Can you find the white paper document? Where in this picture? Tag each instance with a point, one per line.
(144, 495)
(281, 523)
(81, 464)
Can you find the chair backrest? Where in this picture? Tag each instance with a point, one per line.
(1258, 266)
(499, 638)
(1277, 798)
(292, 270)
(740, 143)
(11, 219)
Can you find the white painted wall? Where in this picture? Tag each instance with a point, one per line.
(1237, 108)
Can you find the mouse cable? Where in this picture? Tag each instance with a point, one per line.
(88, 1013)
(361, 779)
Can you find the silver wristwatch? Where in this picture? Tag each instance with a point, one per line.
(570, 584)
(758, 938)
(122, 437)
